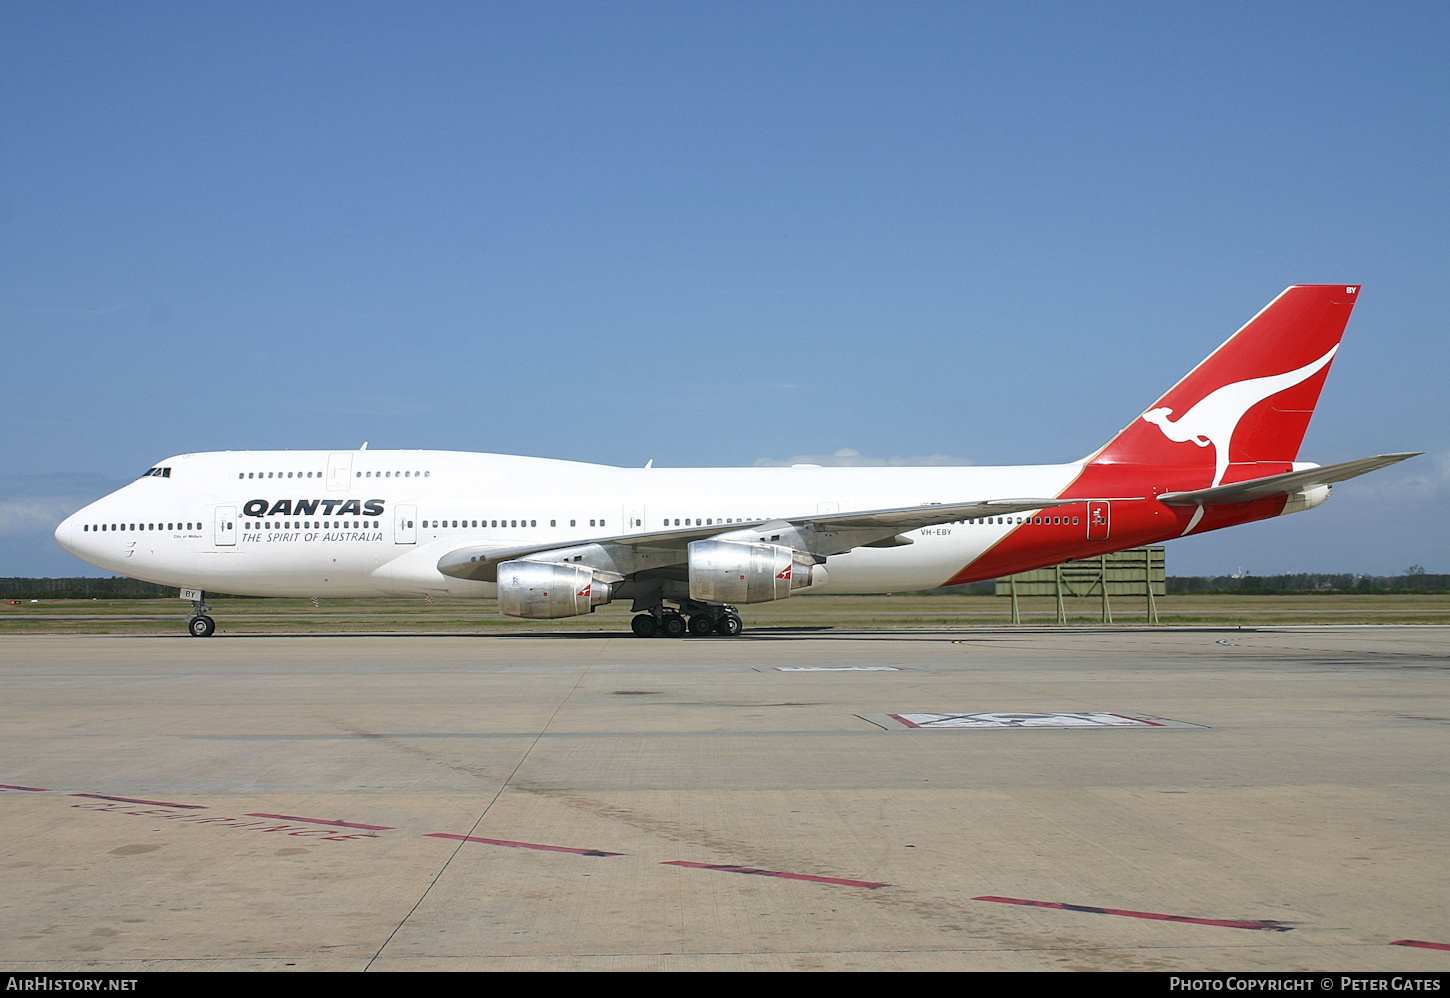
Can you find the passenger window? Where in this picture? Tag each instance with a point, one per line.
(533, 523)
(571, 523)
(601, 523)
(553, 523)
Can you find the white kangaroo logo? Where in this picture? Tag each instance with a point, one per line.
(1216, 416)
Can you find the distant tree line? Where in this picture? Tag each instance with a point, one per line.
(1309, 582)
(115, 587)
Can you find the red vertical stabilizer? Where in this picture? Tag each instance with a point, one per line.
(1242, 413)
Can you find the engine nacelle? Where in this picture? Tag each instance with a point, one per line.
(1306, 499)
(737, 572)
(542, 590)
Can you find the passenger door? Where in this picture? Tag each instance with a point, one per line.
(404, 532)
(1100, 521)
(339, 472)
(226, 526)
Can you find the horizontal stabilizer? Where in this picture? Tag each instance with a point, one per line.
(1278, 485)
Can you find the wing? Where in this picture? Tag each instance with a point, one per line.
(826, 533)
(1278, 485)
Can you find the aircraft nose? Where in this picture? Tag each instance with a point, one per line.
(64, 534)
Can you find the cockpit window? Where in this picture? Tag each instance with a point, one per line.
(157, 473)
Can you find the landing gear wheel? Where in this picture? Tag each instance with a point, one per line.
(701, 625)
(729, 625)
(644, 626)
(201, 627)
(672, 625)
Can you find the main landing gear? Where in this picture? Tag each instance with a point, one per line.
(704, 620)
(198, 624)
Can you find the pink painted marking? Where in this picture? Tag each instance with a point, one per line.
(898, 717)
(34, 790)
(725, 868)
(1420, 943)
(137, 800)
(320, 821)
(521, 845)
(1156, 916)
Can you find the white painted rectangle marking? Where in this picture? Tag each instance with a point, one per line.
(1006, 720)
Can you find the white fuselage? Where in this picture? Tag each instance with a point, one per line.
(319, 523)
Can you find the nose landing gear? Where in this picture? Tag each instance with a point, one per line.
(198, 624)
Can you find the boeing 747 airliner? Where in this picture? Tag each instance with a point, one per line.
(687, 546)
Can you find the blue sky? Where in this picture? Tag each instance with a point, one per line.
(713, 234)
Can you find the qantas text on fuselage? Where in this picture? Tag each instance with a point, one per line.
(687, 547)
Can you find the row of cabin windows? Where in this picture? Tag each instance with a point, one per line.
(310, 525)
(713, 521)
(356, 524)
(98, 527)
(1048, 520)
(501, 523)
(299, 474)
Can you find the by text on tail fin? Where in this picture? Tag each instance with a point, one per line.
(1248, 404)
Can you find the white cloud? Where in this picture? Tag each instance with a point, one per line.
(1423, 479)
(35, 504)
(33, 515)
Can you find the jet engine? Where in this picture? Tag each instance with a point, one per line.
(1306, 499)
(737, 572)
(542, 590)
